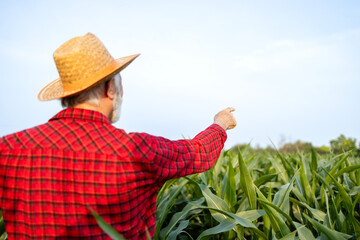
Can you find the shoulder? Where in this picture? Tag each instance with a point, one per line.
(22, 139)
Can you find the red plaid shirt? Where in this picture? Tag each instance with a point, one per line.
(52, 173)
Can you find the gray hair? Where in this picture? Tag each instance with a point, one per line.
(91, 96)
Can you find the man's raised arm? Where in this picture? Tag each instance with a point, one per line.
(173, 159)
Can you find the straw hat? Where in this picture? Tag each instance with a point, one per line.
(82, 62)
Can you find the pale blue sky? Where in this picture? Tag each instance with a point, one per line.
(290, 68)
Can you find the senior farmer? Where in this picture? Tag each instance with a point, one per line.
(50, 175)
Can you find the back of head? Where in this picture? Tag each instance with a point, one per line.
(93, 95)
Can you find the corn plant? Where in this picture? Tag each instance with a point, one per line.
(264, 196)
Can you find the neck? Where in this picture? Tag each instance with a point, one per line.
(104, 110)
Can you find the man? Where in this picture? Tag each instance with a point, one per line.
(52, 174)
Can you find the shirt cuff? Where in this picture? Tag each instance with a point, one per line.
(220, 129)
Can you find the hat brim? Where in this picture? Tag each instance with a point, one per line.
(55, 90)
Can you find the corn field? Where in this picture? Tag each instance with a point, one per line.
(264, 196)
(261, 196)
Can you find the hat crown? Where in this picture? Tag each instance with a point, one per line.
(82, 63)
(81, 57)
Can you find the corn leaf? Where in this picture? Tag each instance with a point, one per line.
(179, 216)
(314, 160)
(247, 182)
(147, 234)
(230, 189)
(289, 168)
(251, 215)
(331, 234)
(280, 169)
(328, 220)
(264, 179)
(344, 194)
(290, 236)
(217, 170)
(318, 214)
(277, 223)
(305, 182)
(215, 202)
(323, 180)
(354, 191)
(224, 226)
(347, 170)
(107, 228)
(4, 236)
(281, 198)
(338, 165)
(165, 203)
(348, 204)
(173, 235)
(239, 220)
(267, 222)
(2, 225)
(303, 232)
(287, 217)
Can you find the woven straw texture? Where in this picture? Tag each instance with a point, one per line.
(82, 62)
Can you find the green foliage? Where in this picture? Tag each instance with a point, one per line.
(339, 145)
(297, 146)
(303, 147)
(267, 196)
(3, 234)
(344, 144)
(110, 231)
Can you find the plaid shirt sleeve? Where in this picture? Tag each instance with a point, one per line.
(172, 159)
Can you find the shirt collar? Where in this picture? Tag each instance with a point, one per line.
(81, 114)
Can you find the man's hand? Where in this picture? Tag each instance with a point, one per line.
(225, 119)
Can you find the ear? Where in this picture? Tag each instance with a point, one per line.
(110, 90)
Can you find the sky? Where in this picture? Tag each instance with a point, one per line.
(289, 68)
